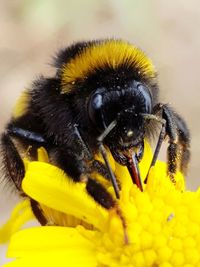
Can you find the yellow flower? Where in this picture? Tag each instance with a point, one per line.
(162, 224)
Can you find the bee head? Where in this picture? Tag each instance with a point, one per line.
(109, 80)
(125, 106)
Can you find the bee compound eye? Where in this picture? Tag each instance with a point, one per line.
(95, 111)
(96, 101)
(147, 98)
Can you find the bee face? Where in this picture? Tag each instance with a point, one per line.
(124, 104)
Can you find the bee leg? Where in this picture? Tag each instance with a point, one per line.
(75, 166)
(100, 168)
(74, 159)
(96, 165)
(12, 162)
(170, 130)
(78, 170)
(26, 134)
(37, 211)
(14, 170)
(75, 163)
(178, 134)
(184, 140)
(83, 146)
(101, 196)
(175, 128)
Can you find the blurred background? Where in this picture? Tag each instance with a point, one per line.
(168, 31)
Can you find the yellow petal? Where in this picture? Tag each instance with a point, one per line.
(65, 258)
(46, 239)
(19, 216)
(42, 155)
(50, 186)
(51, 246)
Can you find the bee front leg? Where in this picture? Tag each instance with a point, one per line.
(99, 194)
(104, 198)
(74, 157)
(176, 129)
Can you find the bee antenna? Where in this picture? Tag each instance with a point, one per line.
(112, 176)
(104, 155)
(107, 131)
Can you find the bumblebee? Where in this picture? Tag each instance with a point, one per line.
(104, 95)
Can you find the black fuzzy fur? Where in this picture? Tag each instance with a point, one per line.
(53, 115)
